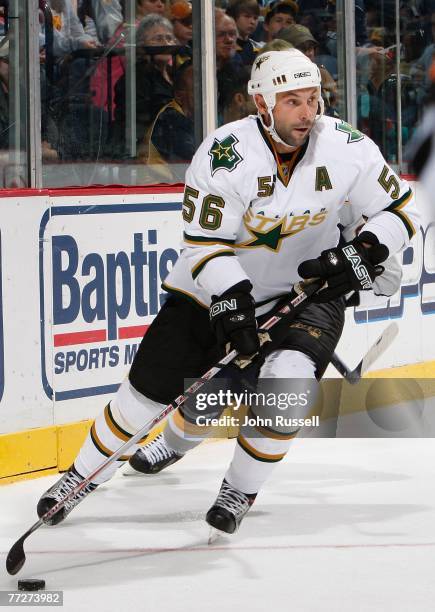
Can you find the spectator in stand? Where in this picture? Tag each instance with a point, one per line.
(377, 104)
(170, 141)
(181, 17)
(301, 38)
(420, 68)
(102, 97)
(226, 41)
(154, 86)
(279, 15)
(100, 18)
(68, 32)
(148, 7)
(48, 153)
(234, 103)
(321, 24)
(246, 14)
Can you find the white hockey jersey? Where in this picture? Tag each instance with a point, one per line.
(250, 213)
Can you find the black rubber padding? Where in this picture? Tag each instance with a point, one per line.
(31, 584)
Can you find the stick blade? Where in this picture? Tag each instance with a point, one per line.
(379, 347)
(16, 557)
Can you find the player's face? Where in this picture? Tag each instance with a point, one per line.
(295, 113)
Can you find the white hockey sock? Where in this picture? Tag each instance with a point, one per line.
(259, 448)
(182, 436)
(248, 472)
(122, 418)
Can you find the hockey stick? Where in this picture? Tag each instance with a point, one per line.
(298, 297)
(376, 350)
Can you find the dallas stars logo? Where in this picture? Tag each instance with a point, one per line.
(271, 238)
(261, 60)
(223, 154)
(353, 135)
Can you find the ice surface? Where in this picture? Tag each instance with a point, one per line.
(342, 525)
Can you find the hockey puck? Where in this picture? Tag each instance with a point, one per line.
(31, 584)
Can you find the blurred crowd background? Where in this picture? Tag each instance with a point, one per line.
(117, 79)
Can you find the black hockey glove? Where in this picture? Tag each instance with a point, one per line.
(232, 317)
(351, 266)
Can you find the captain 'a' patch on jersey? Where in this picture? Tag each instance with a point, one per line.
(224, 155)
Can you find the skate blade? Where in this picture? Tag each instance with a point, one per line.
(131, 472)
(213, 536)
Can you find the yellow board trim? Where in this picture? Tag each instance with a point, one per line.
(414, 370)
(28, 451)
(42, 451)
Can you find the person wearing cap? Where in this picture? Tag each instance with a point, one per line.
(181, 17)
(301, 38)
(246, 14)
(279, 15)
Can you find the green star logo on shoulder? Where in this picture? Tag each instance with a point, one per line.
(271, 239)
(223, 154)
(353, 135)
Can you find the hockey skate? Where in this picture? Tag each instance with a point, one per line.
(228, 510)
(58, 491)
(153, 457)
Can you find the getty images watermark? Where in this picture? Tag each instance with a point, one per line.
(288, 403)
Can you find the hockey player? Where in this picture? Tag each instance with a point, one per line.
(261, 206)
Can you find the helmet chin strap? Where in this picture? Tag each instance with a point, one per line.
(270, 129)
(270, 100)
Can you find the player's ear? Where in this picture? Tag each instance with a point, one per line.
(260, 103)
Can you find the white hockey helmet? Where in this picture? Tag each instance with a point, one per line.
(276, 71)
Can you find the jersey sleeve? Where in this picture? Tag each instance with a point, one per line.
(384, 199)
(213, 211)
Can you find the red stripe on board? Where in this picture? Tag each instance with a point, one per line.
(135, 331)
(95, 190)
(116, 190)
(97, 335)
